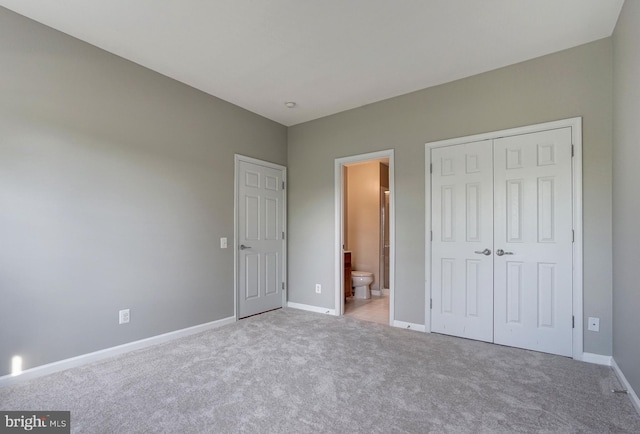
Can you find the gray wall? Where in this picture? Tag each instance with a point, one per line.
(626, 200)
(575, 82)
(116, 184)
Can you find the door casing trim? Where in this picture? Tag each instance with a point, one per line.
(576, 168)
(236, 184)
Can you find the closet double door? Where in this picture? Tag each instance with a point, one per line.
(502, 235)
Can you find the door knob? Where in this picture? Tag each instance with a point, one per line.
(485, 252)
(501, 252)
(242, 247)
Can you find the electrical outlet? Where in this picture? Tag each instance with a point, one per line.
(123, 316)
(318, 288)
(594, 324)
(223, 242)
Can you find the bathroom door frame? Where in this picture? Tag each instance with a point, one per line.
(339, 226)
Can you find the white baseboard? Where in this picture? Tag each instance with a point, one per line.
(409, 325)
(83, 359)
(311, 308)
(597, 359)
(376, 292)
(631, 393)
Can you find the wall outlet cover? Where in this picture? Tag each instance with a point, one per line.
(594, 324)
(124, 316)
(318, 288)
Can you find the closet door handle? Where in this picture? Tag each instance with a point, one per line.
(485, 252)
(501, 252)
(242, 247)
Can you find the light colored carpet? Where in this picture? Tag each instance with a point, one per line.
(290, 371)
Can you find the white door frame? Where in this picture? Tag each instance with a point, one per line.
(576, 141)
(339, 229)
(236, 190)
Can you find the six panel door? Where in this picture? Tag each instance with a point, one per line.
(462, 262)
(260, 228)
(533, 226)
(513, 197)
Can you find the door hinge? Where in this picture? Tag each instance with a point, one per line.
(573, 322)
(430, 167)
(573, 150)
(431, 235)
(283, 235)
(283, 185)
(283, 285)
(573, 235)
(431, 303)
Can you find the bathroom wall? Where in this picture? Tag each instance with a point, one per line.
(362, 228)
(345, 209)
(363, 222)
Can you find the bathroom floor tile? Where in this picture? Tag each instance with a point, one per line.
(375, 309)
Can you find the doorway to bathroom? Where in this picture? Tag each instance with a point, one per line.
(364, 243)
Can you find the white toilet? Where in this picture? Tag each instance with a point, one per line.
(361, 281)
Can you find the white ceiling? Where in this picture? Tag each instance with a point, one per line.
(326, 55)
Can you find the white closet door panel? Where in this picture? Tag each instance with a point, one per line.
(462, 223)
(533, 225)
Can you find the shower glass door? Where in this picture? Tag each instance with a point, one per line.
(384, 241)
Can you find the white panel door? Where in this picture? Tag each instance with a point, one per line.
(260, 243)
(462, 224)
(533, 227)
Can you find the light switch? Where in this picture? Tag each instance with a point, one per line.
(223, 242)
